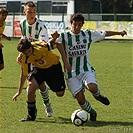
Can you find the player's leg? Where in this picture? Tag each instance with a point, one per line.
(75, 87)
(57, 82)
(85, 105)
(45, 98)
(31, 103)
(97, 95)
(1, 60)
(91, 84)
(43, 90)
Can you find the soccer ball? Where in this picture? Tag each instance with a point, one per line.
(79, 117)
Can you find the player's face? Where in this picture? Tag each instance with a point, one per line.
(28, 52)
(76, 26)
(3, 16)
(30, 13)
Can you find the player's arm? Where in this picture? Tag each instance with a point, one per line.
(20, 88)
(18, 59)
(67, 66)
(22, 80)
(48, 45)
(54, 35)
(113, 33)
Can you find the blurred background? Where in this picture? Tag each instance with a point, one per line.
(99, 14)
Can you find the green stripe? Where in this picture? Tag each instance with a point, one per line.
(78, 58)
(69, 39)
(70, 62)
(90, 40)
(24, 28)
(21, 30)
(63, 41)
(45, 27)
(85, 64)
(82, 32)
(70, 59)
(77, 38)
(36, 28)
(85, 58)
(30, 29)
(77, 65)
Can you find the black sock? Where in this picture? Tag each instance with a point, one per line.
(31, 109)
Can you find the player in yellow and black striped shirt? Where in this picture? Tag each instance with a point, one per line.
(46, 68)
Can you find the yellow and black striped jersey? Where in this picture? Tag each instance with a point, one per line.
(40, 58)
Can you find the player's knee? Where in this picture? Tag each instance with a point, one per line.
(60, 94)
(93, 88)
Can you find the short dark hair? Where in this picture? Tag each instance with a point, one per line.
(77, 17)
(3, 11)
(23, 45)
(30, 4)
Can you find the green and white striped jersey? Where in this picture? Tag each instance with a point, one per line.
(77, 49)
(34, 32)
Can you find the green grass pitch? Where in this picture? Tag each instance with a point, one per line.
(113, 63)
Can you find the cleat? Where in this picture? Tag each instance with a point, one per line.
(28, 118)
(103, 99)
(93, 117)
(48, 110)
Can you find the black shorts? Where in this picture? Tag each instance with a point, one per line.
(53, 76)
(1, 57)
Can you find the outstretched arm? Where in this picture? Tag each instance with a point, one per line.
(113, 33)
(20, 88)
(54, 35)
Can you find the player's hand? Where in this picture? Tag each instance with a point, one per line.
(122, 33)
(14, 98)
(55, 35)
(18, 59)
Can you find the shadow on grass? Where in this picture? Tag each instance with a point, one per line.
(108, 123)
(61, 120)
(8, 87)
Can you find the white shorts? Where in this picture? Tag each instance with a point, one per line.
(78, 83)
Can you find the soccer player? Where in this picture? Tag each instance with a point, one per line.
(47, 68)
(3, 15)
(34, 29)
(77, 44)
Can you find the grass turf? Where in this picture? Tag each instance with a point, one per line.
(113, 64)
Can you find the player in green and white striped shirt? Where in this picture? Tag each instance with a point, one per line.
(34, 29)
(76, 44)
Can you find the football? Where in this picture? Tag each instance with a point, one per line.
(79, 117)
